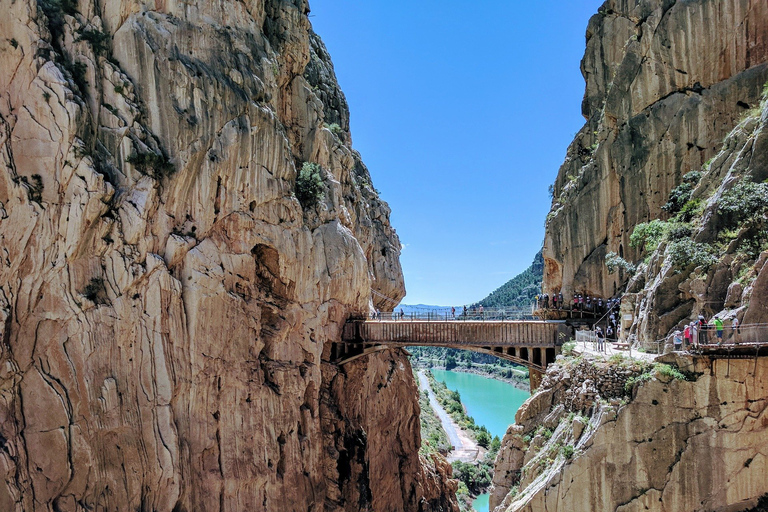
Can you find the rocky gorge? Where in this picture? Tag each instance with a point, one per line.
(184, 228)
(662, 199)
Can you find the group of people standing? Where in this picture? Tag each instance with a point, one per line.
(580, 302)
(701, 332)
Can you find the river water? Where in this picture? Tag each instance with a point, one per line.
(490, 402)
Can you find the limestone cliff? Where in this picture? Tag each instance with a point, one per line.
(167, 302)
(627, 437)
(666, 81)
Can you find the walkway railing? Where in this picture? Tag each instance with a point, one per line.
(744, 335)
(488, 314)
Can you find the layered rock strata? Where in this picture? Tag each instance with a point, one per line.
(666, 81)
(687, 439)
(167, 303)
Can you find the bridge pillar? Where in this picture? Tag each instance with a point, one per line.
(534, 376)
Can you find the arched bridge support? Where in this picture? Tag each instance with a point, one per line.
(534, 344)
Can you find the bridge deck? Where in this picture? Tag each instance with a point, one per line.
(532, 343)
(459, 333)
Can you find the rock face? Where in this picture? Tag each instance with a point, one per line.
(666, 81)
(696, 444)
(167, 303)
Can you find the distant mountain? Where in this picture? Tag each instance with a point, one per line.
(519, 291)
(422, 308)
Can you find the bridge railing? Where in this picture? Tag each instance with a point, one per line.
(471, 315)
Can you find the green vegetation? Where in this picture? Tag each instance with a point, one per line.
(658, 369)
(98, 40)
(310, 187)
(686, 253)
(335, 128)
(152, 164)
(433, 437)
(521, 290)
(615, 262)
(681, 194)
(648, 235)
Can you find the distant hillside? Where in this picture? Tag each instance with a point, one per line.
(519, 291)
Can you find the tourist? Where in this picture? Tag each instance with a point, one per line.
(560, 300)
(609, 333)
(482, 312)
(465, 312)
(453, 312)
(703, 334)
(546, 301)
(554, 301)
(600, 339)
(718, 330)
(695, 334)
(735, 326)
(402, 314)
(687, 336)
(378, 314)
(677, 340)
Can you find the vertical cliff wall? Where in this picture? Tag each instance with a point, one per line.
(166, 300)
(666, 81)
(627, 437)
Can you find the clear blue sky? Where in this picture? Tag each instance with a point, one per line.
(462, 111)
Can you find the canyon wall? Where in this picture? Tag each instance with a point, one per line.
(666, 81)
(185, 227)
(621, 436)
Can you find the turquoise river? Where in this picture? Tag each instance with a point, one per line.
(490, 402)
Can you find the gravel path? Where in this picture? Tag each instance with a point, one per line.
(465, 448)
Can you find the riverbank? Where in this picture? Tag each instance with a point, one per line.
(465, 448)
(520, 381)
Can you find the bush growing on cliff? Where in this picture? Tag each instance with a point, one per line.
(681, 194)
(152, 164)
(686, 253)
(746, 201)
(648, 235)
(614, 262)
(310, 187)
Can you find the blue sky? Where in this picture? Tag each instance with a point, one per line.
(462, 111)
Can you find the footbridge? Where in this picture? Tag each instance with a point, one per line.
(531, 343)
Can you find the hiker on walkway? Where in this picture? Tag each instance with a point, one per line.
(560, 300)
(719, 330)
(703, 334)
(695, 334)
(453, 312)
(482, 313)
(677, 340)
(609, 334)
(735, 327)
(687, 336)
(554, 301)
(600, 339)
(402, 314)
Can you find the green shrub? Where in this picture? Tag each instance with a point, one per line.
(745, 201)
(690, 210)
(568, 348)
(678, 231)
(335, 128)
(152, 164)
(98, 40)
(310, 187)
(567, 451)
(681, 194)
(686, 253)
(614, 262)
(648, 235)
(669, 371)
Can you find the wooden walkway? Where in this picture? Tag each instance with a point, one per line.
(532, 343)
